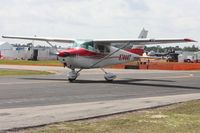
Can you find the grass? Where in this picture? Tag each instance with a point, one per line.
(21, 72)
(179, 118)
(34, 63)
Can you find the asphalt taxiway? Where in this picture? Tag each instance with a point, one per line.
(28, 91)
(37, 100)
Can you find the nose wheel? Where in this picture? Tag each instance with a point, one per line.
(72, 76)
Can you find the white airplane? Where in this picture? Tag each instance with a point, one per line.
(98, 53)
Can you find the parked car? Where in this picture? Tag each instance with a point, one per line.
(188, 61)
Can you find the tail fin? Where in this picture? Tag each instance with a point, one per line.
(139, 49)
(143, 34)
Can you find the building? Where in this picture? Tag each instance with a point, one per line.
(26, 52)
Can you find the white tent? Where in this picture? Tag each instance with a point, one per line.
(6, 46)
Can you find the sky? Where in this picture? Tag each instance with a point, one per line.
(100, 18)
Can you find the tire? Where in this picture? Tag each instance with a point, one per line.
(71, 80)
(109, 80)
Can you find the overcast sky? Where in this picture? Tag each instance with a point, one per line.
(100, 18)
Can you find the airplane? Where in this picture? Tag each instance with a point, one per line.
(98, 53)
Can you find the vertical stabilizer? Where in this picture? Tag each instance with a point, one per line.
(143, 34)
(139, 49)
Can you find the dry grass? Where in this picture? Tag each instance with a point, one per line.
(34, 63)
(179, 118)
(21, 72)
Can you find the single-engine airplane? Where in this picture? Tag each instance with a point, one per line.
(98, 53)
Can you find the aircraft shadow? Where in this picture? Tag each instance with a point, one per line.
(134, 82)
(99, 81)
(124, 82)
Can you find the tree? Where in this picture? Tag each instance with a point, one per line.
(170, 49)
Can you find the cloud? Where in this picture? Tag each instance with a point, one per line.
(100, 18)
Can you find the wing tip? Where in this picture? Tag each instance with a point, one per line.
(189, 40)
(4, 36)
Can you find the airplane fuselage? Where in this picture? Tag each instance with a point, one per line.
(83, 58)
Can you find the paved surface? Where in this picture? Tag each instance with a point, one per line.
(28, 92)
(34, 116)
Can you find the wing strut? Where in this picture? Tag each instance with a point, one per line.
(52, 46)
(110, 55)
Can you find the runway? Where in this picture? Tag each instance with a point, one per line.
(30, 91)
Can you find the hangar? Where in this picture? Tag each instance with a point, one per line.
(26, 52)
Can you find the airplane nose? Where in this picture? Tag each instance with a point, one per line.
(68, 52)
(64, 54)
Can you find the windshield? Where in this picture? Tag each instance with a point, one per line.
(87, 44)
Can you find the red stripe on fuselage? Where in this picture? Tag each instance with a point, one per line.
(136, 51)
(80, 52)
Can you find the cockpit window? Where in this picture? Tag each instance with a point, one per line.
(90, 45)
(87, 44)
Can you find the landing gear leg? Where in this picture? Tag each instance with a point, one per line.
(73, 75)
(109, 76)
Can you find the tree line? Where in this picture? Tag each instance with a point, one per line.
(160, 49)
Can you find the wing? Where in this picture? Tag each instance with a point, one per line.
(41, 39)
(144, 41)
(106, 41)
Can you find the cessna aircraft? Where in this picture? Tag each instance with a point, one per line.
(98, 53)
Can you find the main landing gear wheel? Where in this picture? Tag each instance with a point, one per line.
(109, 77)
(71, 80)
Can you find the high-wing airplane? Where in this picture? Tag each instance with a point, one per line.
(98, 53)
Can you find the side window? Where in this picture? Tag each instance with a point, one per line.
(102, 49)
(107, 49)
